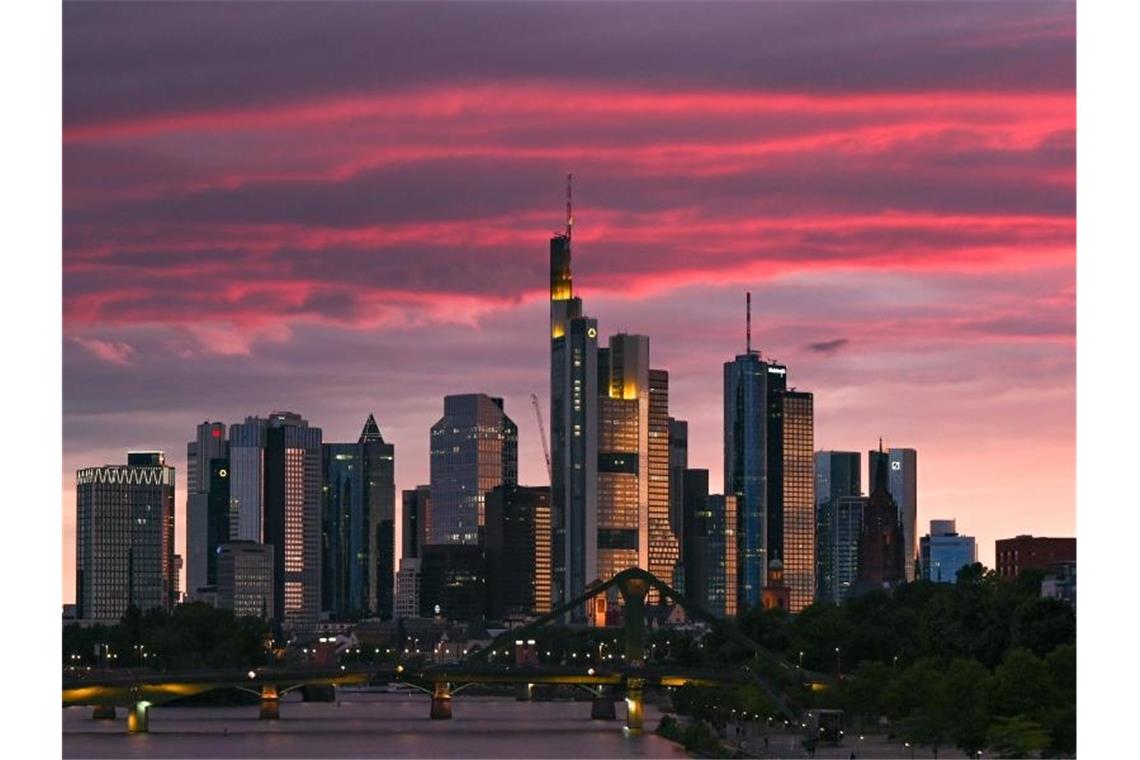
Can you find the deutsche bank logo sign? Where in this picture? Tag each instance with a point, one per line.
(896, 466)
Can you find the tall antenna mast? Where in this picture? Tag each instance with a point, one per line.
(569, 207)
(748, 321)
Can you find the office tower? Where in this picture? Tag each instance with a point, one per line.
(694, 533)
(518, 552)
(474, 447)
(573, 429)
(797, 523)
(379, 460)
(944, 552)
(1028, 552)
(408, 588)
(664, 546)
(882, 551)
(902, 484)
(292, 522)
(247, 480)
(623, 461)
(245, 579)
(124, 538)
(344, 532)
(709, 547)
(452, 582)
(839, 522)
(416, 520)
(678, 463)
(837, 537)
(204, 528)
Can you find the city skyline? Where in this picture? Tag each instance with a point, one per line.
(936, 313)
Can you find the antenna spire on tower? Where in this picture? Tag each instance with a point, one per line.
(569, 206)
(748, 322)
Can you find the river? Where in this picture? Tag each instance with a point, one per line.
(369, 725)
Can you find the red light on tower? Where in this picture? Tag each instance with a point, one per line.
(216, 432)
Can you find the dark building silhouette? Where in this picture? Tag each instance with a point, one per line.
(709, 546)
(839, 519)
(379, 460)
(452, 582)
(902, 483)
(518, 552)
(205, 509)
(416, 520)
(245, 579)
(882, 550)
(678, 463)
(777, 595)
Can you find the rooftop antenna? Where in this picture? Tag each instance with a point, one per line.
(748, 322)
(569, 206)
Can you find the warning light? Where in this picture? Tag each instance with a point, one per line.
(216, 432)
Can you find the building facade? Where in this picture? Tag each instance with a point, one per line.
(664, 545)
(678, 463)
(839, 515)
(124, 538)
(902, 483)
(574, 394)
(245, 579)
(943, 552)
(797, 497)
(247, 479)
(1032, 552)
(415, 520)
(379, 458)
(408, 588)
(292, 520)
(453, 582)
(206, 528)
(518, 552)
(882, 549)
(474, 447)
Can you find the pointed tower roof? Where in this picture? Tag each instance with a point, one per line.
(371, 431)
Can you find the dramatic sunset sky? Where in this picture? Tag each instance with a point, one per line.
(340, 209)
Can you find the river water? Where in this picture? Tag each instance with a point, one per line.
(369, 725)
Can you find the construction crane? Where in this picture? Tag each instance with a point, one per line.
(542, 435)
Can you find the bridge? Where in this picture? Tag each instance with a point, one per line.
(138, 691)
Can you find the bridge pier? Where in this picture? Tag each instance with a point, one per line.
(635, 706)
(523, 692)
(603, 708)
(138, 718)
(441, 702)
(270, 703)
(103, 712)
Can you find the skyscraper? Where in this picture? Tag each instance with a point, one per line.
(839, 515)
(292, 521)
(207, 519)
(245, 579)
(664, 546)
(573, 428)
(415, 519)
(518, 552)
(623, 456)
(379, 461)
(943, 552)
(474, 447)
(709, 546)
(797, 498)
(902, 483)
(124, 553)
(678, 463)
(247, 480)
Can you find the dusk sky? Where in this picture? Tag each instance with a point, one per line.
(344, 209)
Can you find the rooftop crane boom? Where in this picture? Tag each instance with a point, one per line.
(542, 435)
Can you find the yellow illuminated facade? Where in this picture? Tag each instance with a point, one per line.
(664, 548)
(799, 499)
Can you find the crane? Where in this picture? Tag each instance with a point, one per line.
(542, 435)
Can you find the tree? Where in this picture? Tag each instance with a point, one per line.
(961, 695)
(1021, 685)
(1017, 737)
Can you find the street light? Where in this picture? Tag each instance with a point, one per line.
(801, 659)
(837, 662)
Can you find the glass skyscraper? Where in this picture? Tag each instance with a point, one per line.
(902, 483)
(839, 514)
(944, 552)
(207, 510)
(474, 447)
(796, 505)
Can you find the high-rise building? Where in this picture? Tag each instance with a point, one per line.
(518, 552)
(797, 498)
(344, 532)
(292, 521)
(678, 463)
(453, 582)
(379, 461)
(573, 429)
(882, 551)
(757, 401)
(839, 522)
(1029, 552)
(623, 456)
(838, 517)
(124, 554)
(415, 518)
(709, 546)
(943, 552)
(474, 447)
(247, 480)
(664, 546)
(408, 587)
(245, 579)
(902, 484)
(207, 513)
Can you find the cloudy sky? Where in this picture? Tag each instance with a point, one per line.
(340, 209)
